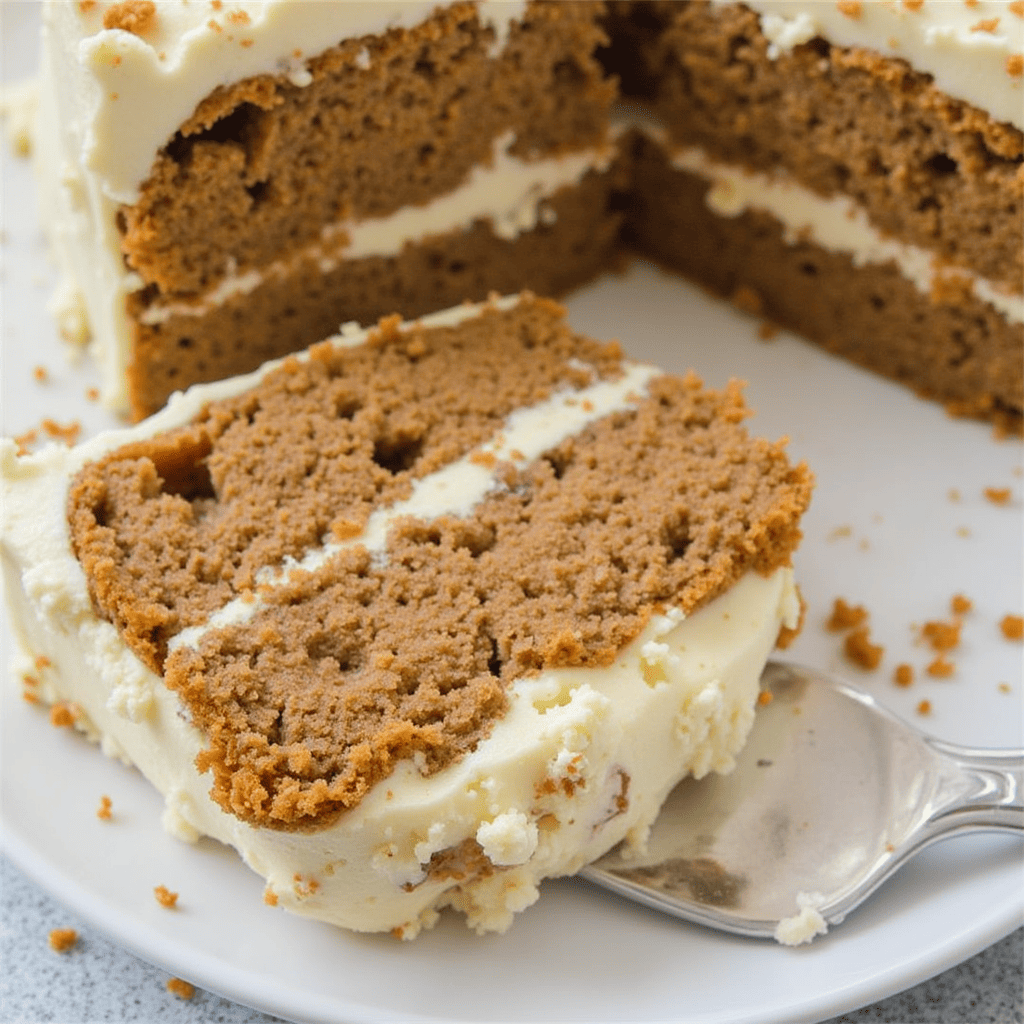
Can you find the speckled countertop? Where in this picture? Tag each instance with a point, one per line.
(98, 981)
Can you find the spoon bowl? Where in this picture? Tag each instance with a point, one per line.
(829, 797)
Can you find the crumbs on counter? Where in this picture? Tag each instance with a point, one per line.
(40, 374)
(62, 939)
(960, 605)
(105, 810)
(1012, 627)
(1004, 688)
(166, 898)
(924, 707)
(92, 394)
(181, 988)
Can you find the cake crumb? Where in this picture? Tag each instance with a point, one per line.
(805, 924)
(953, 494)
(963, 531)
(135, 16)
(861, 651)
(62, 715)
(986, 25)
(105, 810)
(85, 6)
(92, 394)
(941, 636)
(845, 616)
(765, 697)
(270, 897)
(840, 532)
(998, 495)
(1012, 627)
(166, 898)
(913, 5)
(1004, 688)
(903, 675)
(1016, 7)
(960, 605)
(924, 707)
(745, 298)
(1015, 65)
(40, 374)
(68, 434)
(851, 8)
(62, 939)
(182, 989)
(41, 662)
(941, 667)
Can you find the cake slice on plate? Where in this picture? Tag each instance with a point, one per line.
(420, 617)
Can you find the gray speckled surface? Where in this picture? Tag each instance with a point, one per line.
(97, 981)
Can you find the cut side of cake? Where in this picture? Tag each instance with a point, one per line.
(226, 182)
(419, 618)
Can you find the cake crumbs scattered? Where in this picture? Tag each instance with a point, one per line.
(68, 434)
(859, 649)
(270, 897)
(851, 8)
(953, 494)
(92, 394)
(166, 898)
(1005, 688)
(960, 605)
(40, 374)
(105, 810)
(1012, 627)
(941, 668)
(182, 989)
(62, 939)
(85, 6)
(989, 25)
(924, 708)
(913, 5)
(845, 616)
(998, 495)
(1016, 7)
(135, 16)
(765, 697)
(963, 531)
(903, 675)
(941, 636)
(840, 532)
(1015, 65)
(41, 662)
(62, 715)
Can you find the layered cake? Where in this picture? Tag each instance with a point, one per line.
(229, 180)
(418, 618)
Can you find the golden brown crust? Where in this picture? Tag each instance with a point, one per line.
(375, 658)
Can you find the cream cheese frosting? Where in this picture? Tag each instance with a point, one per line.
(582, 759)
(965, 47)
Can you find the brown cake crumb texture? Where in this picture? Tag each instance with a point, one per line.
(180, 988)
(135, 16)
(1012, 627)
(167, 899)
(374, 658)
(63, 939)
(105, 810)
(859, 649)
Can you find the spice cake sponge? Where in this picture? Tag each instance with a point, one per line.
(228, 181)
(420, 617)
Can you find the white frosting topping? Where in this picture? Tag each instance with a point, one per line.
(130, 93)
(620, 738)
(963, 47)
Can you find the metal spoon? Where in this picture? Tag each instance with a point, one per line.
(831, 795)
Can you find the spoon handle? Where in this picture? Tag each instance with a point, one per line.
(977, 790)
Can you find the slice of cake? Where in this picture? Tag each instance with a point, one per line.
(851, 170)
(228, 182)
(419, 618)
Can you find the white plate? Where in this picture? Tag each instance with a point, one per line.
(883, 531)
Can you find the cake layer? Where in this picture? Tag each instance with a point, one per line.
(279, 310)
(926, 169)
(405, 628)
(883, 305)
